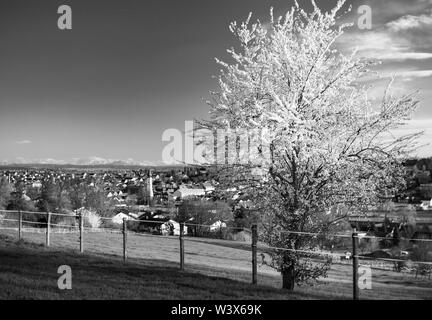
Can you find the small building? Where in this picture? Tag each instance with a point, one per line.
(426, 205)
(218, 225)
(172, 228)
(118, 218)
(184, 192)
(208, 187)
(37, 184)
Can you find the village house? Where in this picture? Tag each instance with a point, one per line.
(185, 192)
(426, 205)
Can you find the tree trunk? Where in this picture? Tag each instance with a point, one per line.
(288, 278)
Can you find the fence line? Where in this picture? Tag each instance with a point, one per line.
(393, 260)
(102, 230)
(40, 213)
(34, 222)
(215, 240)
(314, 234)
(312, 252)
(151, 235)
(209, 226)
(40, 230)
(40, 223)
(5, 219)
(349, 236)
(254, 247)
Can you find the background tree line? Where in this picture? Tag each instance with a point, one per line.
(60, 196)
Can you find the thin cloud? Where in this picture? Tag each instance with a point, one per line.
(23, 142)
(382, 45)
(404, 75)
(402, 31)
(411, 75)
(401, 38)
(416, 30)
(410, 22)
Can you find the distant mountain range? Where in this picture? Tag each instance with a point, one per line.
(103, 162)
(91, 161)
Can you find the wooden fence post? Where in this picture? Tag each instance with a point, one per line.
(81, 227)
(181, 246)
(254, 253)
(355, 265)
(48, 229)
(20, 225)
(124, 240)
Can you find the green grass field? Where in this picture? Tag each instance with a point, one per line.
(215, 269)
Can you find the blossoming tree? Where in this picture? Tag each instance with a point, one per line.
(329, 145)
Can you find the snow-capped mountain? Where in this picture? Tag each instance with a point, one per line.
(90, 161)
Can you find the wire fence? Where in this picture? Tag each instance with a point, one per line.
(356, 270)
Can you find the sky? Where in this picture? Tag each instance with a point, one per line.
(130, 69)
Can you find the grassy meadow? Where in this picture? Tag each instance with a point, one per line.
(215, 269)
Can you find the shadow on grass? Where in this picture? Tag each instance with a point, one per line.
(29, 271)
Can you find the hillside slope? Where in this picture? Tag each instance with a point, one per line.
(29, 271)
